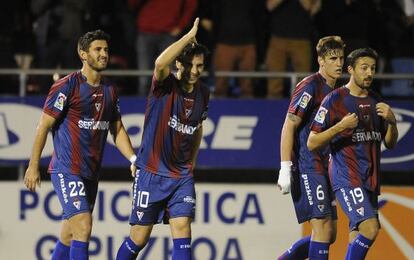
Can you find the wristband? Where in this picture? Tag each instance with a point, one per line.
(132, 159)
(286, 164)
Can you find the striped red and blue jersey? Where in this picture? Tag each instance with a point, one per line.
(355, 153)
(172, 117)
(304, 103)
(83, 115)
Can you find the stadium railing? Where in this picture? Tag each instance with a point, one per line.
(294, 77)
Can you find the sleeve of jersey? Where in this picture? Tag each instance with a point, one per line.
(324, 116)
(57, 100)
(159, 88)
(116, 112)
(383, 123)
(206, 93)
(302, 99)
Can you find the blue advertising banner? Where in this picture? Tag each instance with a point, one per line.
(237, 133)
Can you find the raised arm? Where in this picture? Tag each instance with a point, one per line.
(391, 135)
(292, 122)
(272, 4)
(162, 63)
(32, 175)
(317, 140)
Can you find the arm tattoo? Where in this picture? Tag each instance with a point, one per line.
(293, 118)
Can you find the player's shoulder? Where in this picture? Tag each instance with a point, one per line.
(205, 90)
(337, 94)
(108, 83)
(376, 96)
(309, 83)
(69, 82)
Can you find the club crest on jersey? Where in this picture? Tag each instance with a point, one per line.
(98, 106)
(140, 214)
(321, 207)
(320, 116)
(60, 101)
(360, 211)
(188, 112)
(304, 99)
(77, 204)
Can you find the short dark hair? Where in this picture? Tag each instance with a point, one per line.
(85, 40)
(328, 44)
(190, 50)
(359, 53)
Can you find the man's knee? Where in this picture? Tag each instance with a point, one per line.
(323, 230)
(369, 228)
(180, 227)
(81, 226)
(140, 234)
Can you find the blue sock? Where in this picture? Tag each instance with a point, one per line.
(347, 252)
(182, 249)
(359, 248)
(299, 250)
(128, 250)
(79, 250)
(318, 250)
(61, 251)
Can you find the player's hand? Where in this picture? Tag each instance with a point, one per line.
(32, 178)
(133, 169)
(350, 121)
(285, 174)
(384, 111)
(193, 32)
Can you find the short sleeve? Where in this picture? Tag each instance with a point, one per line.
(206, 99)
(58, 98)
(116, 111)
(301, 103)
(324, 116)
(160, 88)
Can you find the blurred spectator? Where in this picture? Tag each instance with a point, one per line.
(398, 36)
(234, 25)
(353, 20)
(291, 33)
(116, 18)
(15, 41)
(57, 27)
(159, 23)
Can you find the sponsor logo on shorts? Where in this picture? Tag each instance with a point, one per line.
(60, 101)
(346, 199)
(307, 189)
(63, 188)
(189, 199)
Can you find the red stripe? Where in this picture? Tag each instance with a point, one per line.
(74, 132)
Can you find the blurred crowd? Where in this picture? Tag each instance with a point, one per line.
(242, 35)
